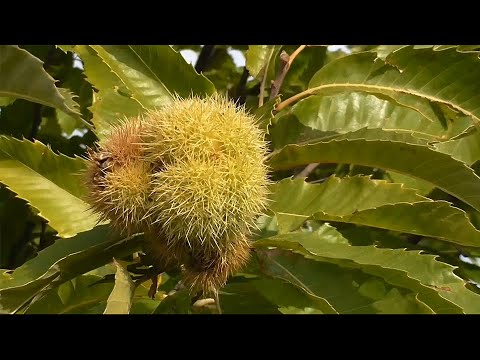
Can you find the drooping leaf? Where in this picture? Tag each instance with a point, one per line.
(75, 296)
(61, 262)
(435, 219)
(285, 295)
(51, 183)
(390, 151)
(349, 291)
(294, 200)
(359, 200)
(98, 72)
(120, 300)
(244, 298)
(22, 76)
(431, 279)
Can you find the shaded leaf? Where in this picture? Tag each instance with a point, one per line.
(61, 262)
(22, 76)
(285, 295)
(434, 281)
(257, 58)
(344, 289)
(75, 296)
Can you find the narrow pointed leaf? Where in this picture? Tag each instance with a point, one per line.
(120, 300)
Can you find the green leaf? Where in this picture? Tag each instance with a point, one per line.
(76, 296)
(264, 114)
(444, 77)
(61, 262)
(49, 182)
(153, 73)
(177, 303)
(120, 300)
(361, 201)
(352, 111)
(5, 101)
(98, 72)
(422, 187)
(287, 129)
(434, 281)
(286, 295)
(257, 58)
(294, 201)
(390, 151)
(243, 297)
(466, 149)
(22, 76)
(435, 219)
(349, 291)
(109, 108)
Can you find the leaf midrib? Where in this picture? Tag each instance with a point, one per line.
(366, 87)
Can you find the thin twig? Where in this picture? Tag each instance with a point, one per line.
(264, 80)
(282, 71)
(307, 171)
(294, 98)
(295, 53)
(285, 64)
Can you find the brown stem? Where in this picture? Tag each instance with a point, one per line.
(307, 171)
(282, 71)
(285, 64)
(293, 99)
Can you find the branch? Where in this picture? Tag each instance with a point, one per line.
(282, 71)
(307, 171)
(204, 58)
(285, 63)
